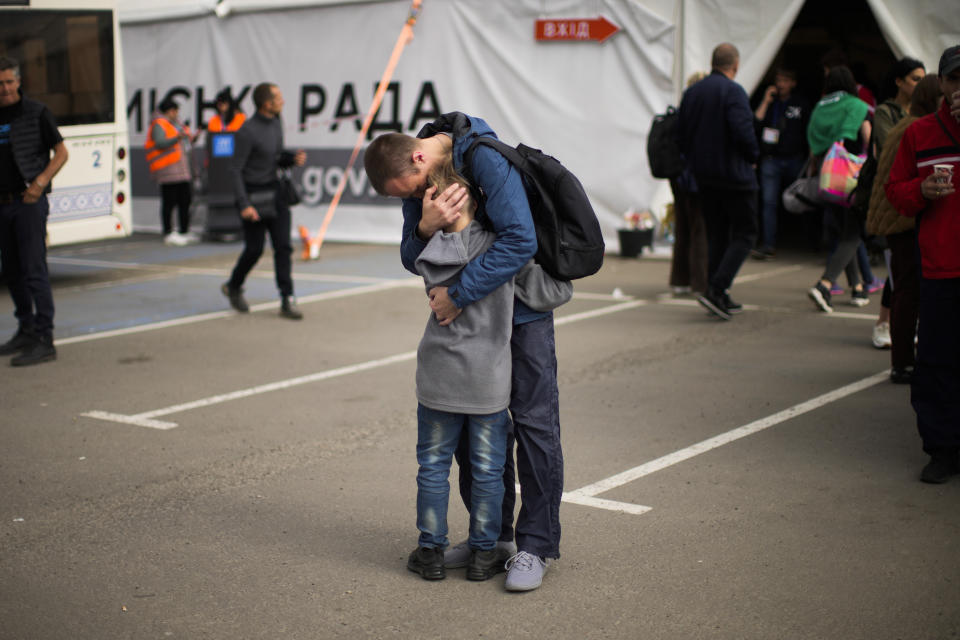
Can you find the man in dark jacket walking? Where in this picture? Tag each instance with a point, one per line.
(718, 139)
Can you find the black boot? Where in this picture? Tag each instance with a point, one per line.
(484, 564)
(22, 339)
(289, 309)
(942, 465)
(428, 562)
(235, 296)
(41, 350)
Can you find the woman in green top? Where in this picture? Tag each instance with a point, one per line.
(840, 116)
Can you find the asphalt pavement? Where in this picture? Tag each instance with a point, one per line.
(184, 471)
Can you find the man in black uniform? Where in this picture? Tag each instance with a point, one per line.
(259, 153)
(28, 133)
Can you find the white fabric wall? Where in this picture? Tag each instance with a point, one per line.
(587, 103)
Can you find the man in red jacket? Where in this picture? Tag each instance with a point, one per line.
(915, 189)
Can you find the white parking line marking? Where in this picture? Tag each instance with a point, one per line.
(203, 317)
(756, 426)
(145, 419)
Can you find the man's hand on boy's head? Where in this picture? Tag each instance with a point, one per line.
(440, 210)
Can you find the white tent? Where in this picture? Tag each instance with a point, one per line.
(589, 103)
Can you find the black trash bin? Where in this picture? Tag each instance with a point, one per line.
(223, 219)
(632, 241)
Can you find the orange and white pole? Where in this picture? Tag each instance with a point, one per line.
(312, 244)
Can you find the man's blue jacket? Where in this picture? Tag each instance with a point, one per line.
(717, 134)
(506, 211)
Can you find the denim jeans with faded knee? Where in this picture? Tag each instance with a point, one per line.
(437, 436)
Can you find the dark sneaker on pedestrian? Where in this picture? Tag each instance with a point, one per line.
(860, 298)
(236, 297)
(458, 555)
(21, 340)
(940, 468)
(484, 564)
(41, 350)
(821, 297)
(901, 375)
(428, 562)
(765, 253)
(732, 306)
(712, 301)
(289, 308)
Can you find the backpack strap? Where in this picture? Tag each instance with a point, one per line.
(508, 152)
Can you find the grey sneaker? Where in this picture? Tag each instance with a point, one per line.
(525, 572)
(458, 555)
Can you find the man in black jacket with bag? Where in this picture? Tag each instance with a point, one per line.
(262, 202)
(719, 141)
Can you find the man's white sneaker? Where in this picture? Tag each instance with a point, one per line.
(881, 335)
(458, 556)
(525, 572)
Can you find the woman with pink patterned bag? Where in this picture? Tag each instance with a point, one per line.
(838, 135)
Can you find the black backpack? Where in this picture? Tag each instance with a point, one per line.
(663, 145)
(569, 241)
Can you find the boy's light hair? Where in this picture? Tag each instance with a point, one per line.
(443, 175)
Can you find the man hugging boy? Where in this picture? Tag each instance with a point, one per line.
(463, 382)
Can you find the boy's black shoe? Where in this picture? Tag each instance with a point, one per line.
(942, 465)
(41, 350)
(428, 562)
(484, 564)
(21, 340)
(713, 301)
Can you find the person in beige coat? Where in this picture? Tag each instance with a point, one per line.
(884, 220)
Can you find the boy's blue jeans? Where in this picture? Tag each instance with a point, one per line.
(437, 435)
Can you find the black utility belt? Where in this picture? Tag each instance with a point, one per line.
(9, 197)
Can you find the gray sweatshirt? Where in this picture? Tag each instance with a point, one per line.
(465, 367)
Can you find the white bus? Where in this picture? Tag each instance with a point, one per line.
(70, 60)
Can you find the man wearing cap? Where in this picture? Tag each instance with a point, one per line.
(923, 184)
(28, 133)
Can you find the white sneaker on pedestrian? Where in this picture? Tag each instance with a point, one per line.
(458, 555)
(190, 237)
(525, 572)
(881, 335)
(174, 239)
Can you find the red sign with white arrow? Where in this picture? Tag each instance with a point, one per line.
(593, 29)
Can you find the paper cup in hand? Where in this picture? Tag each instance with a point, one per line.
(943, 173)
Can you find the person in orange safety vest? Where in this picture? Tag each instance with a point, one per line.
(227, 112)
(170, 167)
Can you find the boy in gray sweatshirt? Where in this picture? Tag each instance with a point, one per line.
(463, 382)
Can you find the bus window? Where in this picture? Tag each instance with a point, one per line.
(66, 61)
